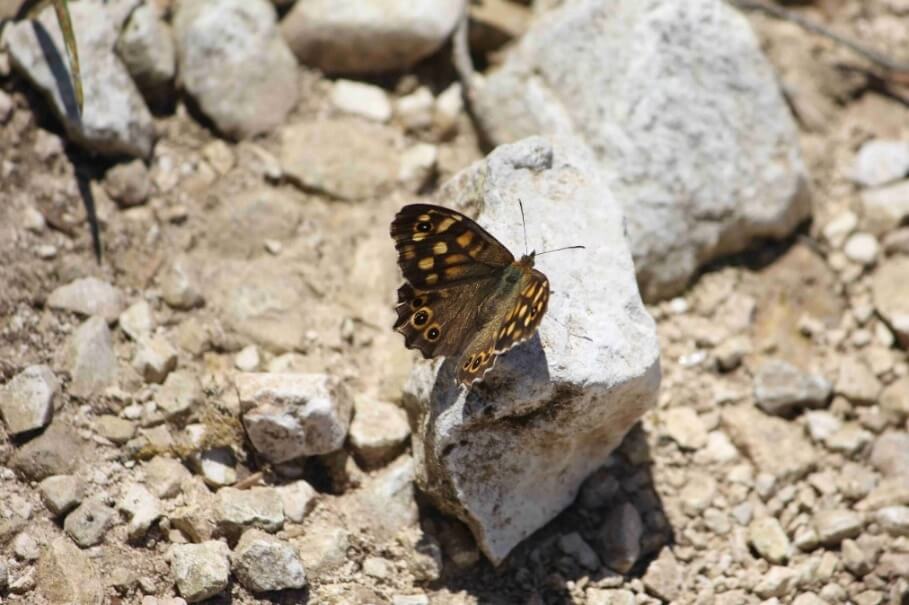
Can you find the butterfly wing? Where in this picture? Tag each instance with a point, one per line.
(516, 323)
(437, 322)
(441, 248)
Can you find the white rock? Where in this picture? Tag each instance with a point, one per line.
(114, 119)
(780, 388)
(292, 415)
(890, 291)
(822, 424)
(89, 358)
(27, 401)
(264, 563)
(138, 320)
(449, 108)
(416, 110)
(418, 164)
(247, 360)
(379, 430)
(840, 227)
(258, 507)
(217, 466)
(369, 37)
(163, 476)
(504, 478)
(833, 526)
(684, 426)
(146, 47)
(885, 208)
(856, 382)
(155, 358)
(88, 296)
(200, 570)
(62, 493)
(222, 42)
(685, 119)
(141, 507)
(862, 248)
(364, 100)
(179, 394)
(299, 499)
(179, 285)
(894, 520)
(881, 161)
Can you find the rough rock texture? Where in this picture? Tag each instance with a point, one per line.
(114, 119)
(146, 47)
(264, 563)
(67, 575)
(364, 37)
(685, 120)
(293, 415)
(88, 296)
(891, 296)
(221, 43)
(26, 401)
(200, 570)
(57, 451)
(558, 405)
(90, 359)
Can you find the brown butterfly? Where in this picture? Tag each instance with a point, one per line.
(464, 294)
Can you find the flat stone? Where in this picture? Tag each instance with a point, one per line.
(292, 415)
(619, 538)
(88, 296)
(762, 438)
(474, 459)
(179, 285)
(142, 508)
(299, 498)
(854, 558)
(781, 388)
(89, 522)
(257, 507)
(885, 208)
(89, 358)
(893, 565)
(415, 110)
(61, 493)
(849, 439)
(137, 320)
(881, 161)
(822, 424)
(57, 451)
(364, 100)
(856, 382)
(27, 401)
(379, 431)
(316, 155)
(769, 540)
(890, 292)
(200, 570)
(180, 394)
(116, 429)
(834, 526)
(164, 476)
(392, 36)
(155, 358)
(264, 563)
(66, 575)
(684, 426)
(211, 64)
(894, 520)
(663, 577)
(323, 547)
(697, 493)
(731, 175)
(114, 120)
(217, 466)
(776, 582)
(890, 454)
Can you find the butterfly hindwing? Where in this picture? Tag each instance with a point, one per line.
(525, 315)
(453, 313)
(438, 248)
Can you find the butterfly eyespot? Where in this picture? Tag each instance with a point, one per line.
(467, 363)
(476, 363)
(417, 302)
(420, 317)
(433, 333)
(424, 226)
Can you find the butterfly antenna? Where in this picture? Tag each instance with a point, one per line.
(560, 249)
(524, 223)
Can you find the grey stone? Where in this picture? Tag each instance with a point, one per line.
(849, 439)
(146, 47)
(822, 424)
(776, 582)
(885, 208)
(369, 38)
(894, 520)
(762, 438)
(378, 432)
(781, 388)
(378, 568)
(730, 174)
(164, 476)
(598, 489)
(264, 563)
(180, 393)
(27, 401)
(619, 538)
(155, 358)
(663, 577)
(217, 466)
(894, 398)
(316, 155)
(89, 522)
(834, 526)
(142, 508)
(856, 382)
(200, 570)
(493, 472)
(364, 100)
(116, 429)
(88, 296)
(292, 415)
(114, 120)
(881, 161)
(890, 454)
(128, 183)
(769, 540)
(179, 285)
(299, 498)
(323, 547)
(854, 558)
(573, 545)
(890, 292)
(137, 320)
(385, 504)
(893, 565)
(61, 493)
(684, 426)
(25, 547)
(57, 451)
(89, 358)
(211, 63)
(257, 507)
(697, 493)
(66, 575)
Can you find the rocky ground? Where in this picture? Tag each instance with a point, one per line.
(238, 244)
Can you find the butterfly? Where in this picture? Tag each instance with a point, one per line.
(464, 294)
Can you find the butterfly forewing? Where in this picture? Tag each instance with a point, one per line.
(438, 248)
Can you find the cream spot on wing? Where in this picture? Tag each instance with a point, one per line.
(439, 248)
(464, 239)
(432, 278)
(418, 236)
(445, 224)
(426, 263)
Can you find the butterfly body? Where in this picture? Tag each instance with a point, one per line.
(465, 295)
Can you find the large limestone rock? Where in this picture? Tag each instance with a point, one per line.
(682, 113)
(511, 454)
(114, 120)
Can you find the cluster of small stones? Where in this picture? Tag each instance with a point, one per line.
(776, 469)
